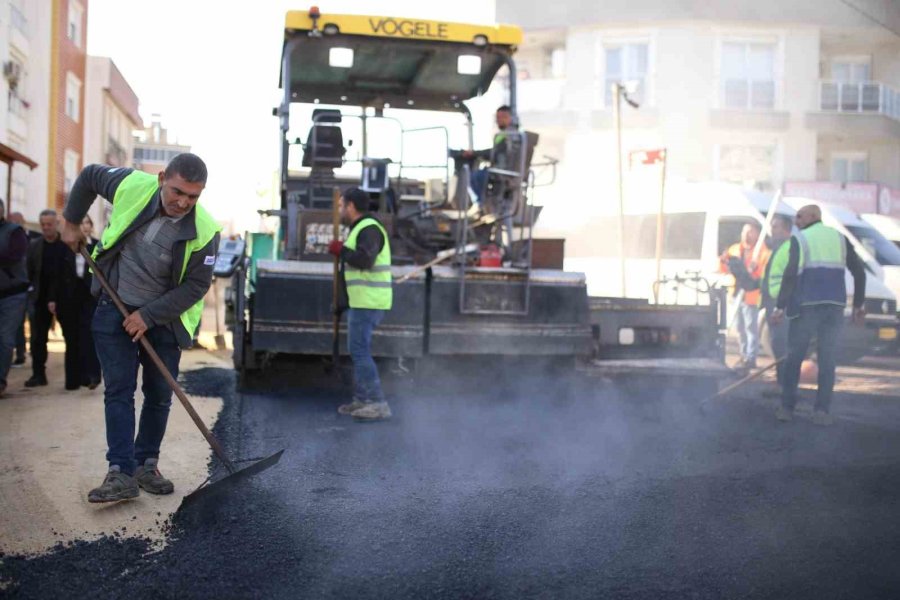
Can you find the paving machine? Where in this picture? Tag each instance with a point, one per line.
(356, 83)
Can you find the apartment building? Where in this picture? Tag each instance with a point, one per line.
(68, 67)
(152, 148)
(769, 94)
(110, 119)
(25, 33)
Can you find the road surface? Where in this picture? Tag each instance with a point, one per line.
(524, 483)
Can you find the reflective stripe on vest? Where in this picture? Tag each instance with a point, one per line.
(778, 263)
(131, 198)
(823, 259)
(369, 288)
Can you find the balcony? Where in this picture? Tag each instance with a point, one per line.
(868, 108)
(116, 155)
(867, 97)
(19, 32)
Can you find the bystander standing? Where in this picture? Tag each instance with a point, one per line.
(45, 258)
(13, 289)
(19, 359)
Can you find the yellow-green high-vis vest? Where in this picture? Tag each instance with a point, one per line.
(369, 288)
(131, 197)
(823, 260)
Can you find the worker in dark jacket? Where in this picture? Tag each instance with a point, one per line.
(366, 288)
(13, 289)
(158, 253)
(45, 258)
(813, 296)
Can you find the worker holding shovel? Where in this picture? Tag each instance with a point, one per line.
(157, 254)
(365, 268)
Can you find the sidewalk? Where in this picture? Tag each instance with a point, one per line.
(52, 447)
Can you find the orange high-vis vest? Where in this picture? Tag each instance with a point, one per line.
(751, 297)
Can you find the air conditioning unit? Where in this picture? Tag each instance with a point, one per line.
(11, 72)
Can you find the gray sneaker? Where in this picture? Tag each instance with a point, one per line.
(347, 409)
(116, 486)
(151, 480)
(783, 414)
(820, 417)
(372, 411)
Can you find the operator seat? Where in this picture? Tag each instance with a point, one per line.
(324, 149)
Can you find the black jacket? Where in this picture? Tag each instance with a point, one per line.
(35, 265)
(68, 290)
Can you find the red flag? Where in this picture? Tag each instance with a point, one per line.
(646, 157)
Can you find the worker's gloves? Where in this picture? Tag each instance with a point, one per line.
(335, 247)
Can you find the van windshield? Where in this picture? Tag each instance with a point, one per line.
(883, 250)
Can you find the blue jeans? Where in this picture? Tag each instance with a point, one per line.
(119, 361)
(478, 181)
(361, 322)
(748, 330)
(12, 312)
(824, 322)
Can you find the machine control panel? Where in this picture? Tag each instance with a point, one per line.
(229, 256)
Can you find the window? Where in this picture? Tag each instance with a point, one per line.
(626, 63)
(555, 66)
(750, 166)
(73, 96)
(850, 69)
(851, 88)
(73, 27)
(70, 170)
(748, 75)
(849, 167)
(730, 232)
(878, 246)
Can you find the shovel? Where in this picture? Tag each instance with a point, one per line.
(234, 475)
(220, 339)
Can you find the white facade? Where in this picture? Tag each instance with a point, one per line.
(110, 120)
(758, 93)
(25, 36)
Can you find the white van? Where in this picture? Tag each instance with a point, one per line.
(700, 222)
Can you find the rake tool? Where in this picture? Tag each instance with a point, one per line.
(740, 382)
(234, 475)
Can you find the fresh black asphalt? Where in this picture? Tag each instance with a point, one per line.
(512, 481)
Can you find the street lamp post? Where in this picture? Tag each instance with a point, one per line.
(620, 91)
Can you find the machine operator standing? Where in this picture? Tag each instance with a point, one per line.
(365, 272)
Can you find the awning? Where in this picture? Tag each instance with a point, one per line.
(9, 156)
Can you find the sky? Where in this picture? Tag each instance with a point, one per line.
(211, 72)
